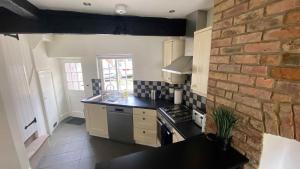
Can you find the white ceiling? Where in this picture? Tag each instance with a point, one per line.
(150, 8)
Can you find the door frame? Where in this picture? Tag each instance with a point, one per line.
(62, 64)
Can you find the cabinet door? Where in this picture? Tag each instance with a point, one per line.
(167, 58)
(202, 50)
(97, 120)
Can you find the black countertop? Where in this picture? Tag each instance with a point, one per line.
(186, 129)
(194, 153)
(131, 101)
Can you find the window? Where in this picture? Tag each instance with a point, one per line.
(117, 74)
(74, 76)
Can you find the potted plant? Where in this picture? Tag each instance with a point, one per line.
(225, 121)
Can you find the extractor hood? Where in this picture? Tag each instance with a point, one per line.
(182, 65)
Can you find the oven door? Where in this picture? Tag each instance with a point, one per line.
(164, 134)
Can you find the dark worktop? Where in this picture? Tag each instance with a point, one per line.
(194, 153)
(186, 129)
(131, 101)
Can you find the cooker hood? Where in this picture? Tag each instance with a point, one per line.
(182, 65)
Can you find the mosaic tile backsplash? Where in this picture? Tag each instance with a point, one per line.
(96, 86)
(190, 99)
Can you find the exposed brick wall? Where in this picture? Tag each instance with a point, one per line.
(255, 69)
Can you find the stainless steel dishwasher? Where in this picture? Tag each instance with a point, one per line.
(120, 124)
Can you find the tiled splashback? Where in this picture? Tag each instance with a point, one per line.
(190, 99)
(96, 86)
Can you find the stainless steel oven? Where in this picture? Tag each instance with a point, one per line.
(164, 131)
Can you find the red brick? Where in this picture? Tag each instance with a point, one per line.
(223, 6)
(296, 110)
(291, 59)
(245, 59)
(242, 79)
(252, 37)
(227, 86)
(249, 16)
(257, 3)
(228, 95)
(286, 121)
(216, 91)
(217, 1)
(272, 60)
(265, 23)
(219, 59)
(288, 87)
(233, 31)
(231, 50)
(221, 42)
(213, 67)
(249, 101)
(217, 17)
(292, 47)
(257, 124)
(286, 33)
(258, 93)
(210, 97)
(223, 24)
(254, 113)
(281, 97)
(212, 83)
(237, 9)
(239, 135)
(271, 118)
(216, 34)
(214, 51)
(217, 75)
(293, 17)
(264, 82)
(263, 47)
(280, 6)
(229, 68)
(225, 102)
(255, 70)
(286, 73)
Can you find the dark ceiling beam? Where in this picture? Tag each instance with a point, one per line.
(20, 7)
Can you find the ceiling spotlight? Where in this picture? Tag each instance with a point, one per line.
(87, 4)
(172, 11)
(121, 9)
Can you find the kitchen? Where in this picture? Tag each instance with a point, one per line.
(149, 89)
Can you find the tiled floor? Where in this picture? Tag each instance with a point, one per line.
(72, 148)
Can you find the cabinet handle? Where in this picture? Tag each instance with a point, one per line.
(144, 132)
(144, 118)
(144, 112)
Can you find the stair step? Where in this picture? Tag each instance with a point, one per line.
(36, 145)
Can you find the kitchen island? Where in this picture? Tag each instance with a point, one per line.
(194, 153)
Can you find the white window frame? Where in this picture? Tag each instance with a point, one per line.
(112, 56)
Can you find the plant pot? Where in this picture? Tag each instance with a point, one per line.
(223, 143)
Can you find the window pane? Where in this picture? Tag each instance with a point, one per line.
(78, 67)
(69, 77)
(81, 86)
(75, 85)
(80, 78)
(73, 67)
(74, 76)
(70, 85)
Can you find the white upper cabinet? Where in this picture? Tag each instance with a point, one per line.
(173, 49)
(201, 57)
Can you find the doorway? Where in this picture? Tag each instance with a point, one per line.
(73, 81)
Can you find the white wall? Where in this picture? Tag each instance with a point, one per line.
(210, 15)
(43, 62)
(146, 50)
(280, 153)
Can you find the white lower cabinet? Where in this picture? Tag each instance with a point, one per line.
(145, 127)
(96, 120)
(177, 137)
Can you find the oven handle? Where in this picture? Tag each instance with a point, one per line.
(161, 123)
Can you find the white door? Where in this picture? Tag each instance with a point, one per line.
(48, 92)
(18, 80)
(74, 86)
